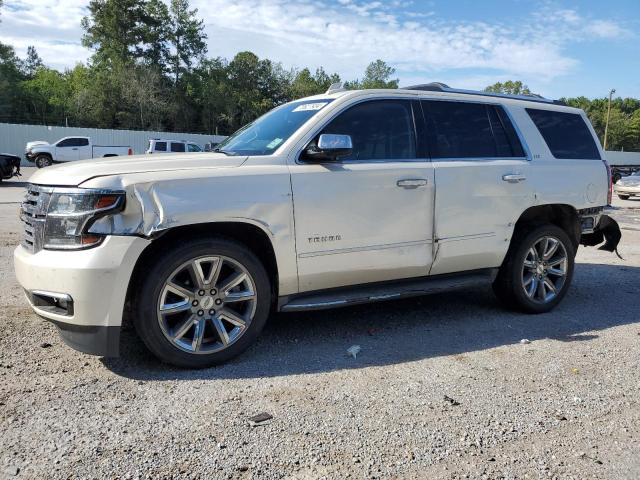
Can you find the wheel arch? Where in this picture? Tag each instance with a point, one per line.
(248, 234)
(43, 154)
(562, 215)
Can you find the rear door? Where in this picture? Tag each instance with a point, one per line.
(84, 149)
(481, 171)
(177, 147)
(367, 217)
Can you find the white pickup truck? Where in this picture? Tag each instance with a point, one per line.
(69, 149)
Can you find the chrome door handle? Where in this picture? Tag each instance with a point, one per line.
(514, 178)
(412, 183)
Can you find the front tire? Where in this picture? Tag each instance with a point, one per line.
(538, 270)
(202, 303)
(623, 197)
(43, 161)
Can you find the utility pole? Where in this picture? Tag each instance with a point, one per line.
(606, 125)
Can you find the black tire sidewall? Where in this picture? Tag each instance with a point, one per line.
(520, 298)
(145, 319)
(42, 161)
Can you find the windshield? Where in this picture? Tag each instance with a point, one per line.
(264, 135)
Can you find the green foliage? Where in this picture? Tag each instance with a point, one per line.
(624, 123)
(186, 37)
(509, 87)
(116, 30)
(33, 62)
(377, 75)
(304, 84)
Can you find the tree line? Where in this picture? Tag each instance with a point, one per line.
(150, 70)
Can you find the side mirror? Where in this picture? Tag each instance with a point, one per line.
(330, 147)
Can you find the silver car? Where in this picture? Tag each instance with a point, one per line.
(628, 186)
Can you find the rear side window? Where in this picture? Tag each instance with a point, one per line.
(177, 147)
(192, 147)
(470, 130)
(83, 142)
(566, 134)
(379, 130)
(161, 146)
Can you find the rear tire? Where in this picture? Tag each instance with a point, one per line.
(623, 197)
(43, 161)
(187, 313)
(537, 271)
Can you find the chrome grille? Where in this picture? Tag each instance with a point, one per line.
(33, 213)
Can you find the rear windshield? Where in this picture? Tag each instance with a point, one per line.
(566, 134)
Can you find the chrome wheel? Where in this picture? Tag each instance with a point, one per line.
(207, 304)
(544, 270)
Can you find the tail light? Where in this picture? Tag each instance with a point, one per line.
(609, 183)
(131, 151)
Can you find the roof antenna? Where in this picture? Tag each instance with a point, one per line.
(336, 87)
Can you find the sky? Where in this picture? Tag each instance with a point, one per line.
(559, 48)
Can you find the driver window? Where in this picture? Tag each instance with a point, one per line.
(379, 130)
(68, 142)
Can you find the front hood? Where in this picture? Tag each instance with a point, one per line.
(75, 173)
(631, 181)
(37, 143)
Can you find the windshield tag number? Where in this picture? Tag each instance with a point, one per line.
(309, 107)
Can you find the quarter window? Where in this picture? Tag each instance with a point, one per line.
(379, 130)
(470, 130)
(566, 134)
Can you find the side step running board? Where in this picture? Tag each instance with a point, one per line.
(344, 297)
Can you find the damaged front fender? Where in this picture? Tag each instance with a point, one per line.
(257, 195)
(608, 231)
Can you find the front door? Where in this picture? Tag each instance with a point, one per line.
(368, 217)
(67, 150)
(481, 171)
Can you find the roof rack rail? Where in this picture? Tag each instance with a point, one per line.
(443, 87)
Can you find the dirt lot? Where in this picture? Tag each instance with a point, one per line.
(442, 388)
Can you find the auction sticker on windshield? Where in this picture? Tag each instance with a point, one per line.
(274, 143)
(309, 106)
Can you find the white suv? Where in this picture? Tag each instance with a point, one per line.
(328, 201)
(158, 145)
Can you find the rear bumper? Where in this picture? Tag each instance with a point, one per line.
(81, 292)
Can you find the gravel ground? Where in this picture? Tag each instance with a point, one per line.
(443, 388)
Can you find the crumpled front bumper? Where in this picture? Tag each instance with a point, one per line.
(82, 292)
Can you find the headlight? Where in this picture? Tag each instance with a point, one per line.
(71, 213)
